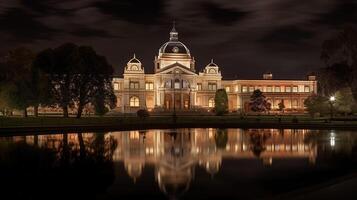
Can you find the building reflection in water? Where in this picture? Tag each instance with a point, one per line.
(176, 153)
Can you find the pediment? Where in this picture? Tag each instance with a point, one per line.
(176, 68)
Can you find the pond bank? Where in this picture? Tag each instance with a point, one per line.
(15, 125)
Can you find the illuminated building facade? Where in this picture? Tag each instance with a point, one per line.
(175, 85)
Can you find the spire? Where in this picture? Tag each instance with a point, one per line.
(212, 60)
(173, 32)
(134, 56)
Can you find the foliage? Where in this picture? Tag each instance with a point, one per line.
(17, 87)
(317, 104)
(258, 102)
(281, 106)
(77, 75)
(344, 101)
(221, 102)
(340, 56)
(142, 113)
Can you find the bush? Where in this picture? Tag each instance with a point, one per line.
(142, 113)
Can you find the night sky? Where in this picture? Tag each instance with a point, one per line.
(245, 37)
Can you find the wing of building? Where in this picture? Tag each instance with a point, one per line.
(175, 84)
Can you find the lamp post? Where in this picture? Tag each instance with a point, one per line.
(331, 101)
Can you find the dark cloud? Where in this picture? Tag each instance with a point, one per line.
(287, 35)
(343, 13)
(91, 32)
(22, 26)
(220, 15)
(135, 11)
(44, 7)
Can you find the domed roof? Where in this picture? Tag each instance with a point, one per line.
(174, 46)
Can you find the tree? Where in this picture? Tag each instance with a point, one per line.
(340, 56)
(281, 105)
(344, 101)
(221, 102)
(77, 76)
(58, 64)
(92, 81)
(317, 104)
(258, 102)
(17, 88)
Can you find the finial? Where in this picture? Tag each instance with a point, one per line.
(211, 60)
(173, 32)
(134, 56)
(174, 26)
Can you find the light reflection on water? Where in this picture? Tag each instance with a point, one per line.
(176, 162)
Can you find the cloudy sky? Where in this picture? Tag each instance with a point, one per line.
(245, 37)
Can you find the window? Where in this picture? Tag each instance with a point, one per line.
(259, 88)
(307, 89)
(177, 84)
(134, 101)
(251, 89)
(227, 89)
(199, 86)
(149, 86)
(134, 85)
(211, 102)
(287, 89)
(244, 89)
(116, 86)
(168, 84)
(269, 89)
(294, 103)
(295, 89)
(277, 88)
(212, 86)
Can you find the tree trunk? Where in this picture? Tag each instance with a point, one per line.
(65, 150)
(35, 140)
(82, 150)
(35, 110)
(24, 113)
(80, 110)
(65, 111)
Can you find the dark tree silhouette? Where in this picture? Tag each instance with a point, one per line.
(340, 56)
(221, 102)
(258, 102)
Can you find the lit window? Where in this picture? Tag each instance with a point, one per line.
(211, 103)
(295, 89)
(177, 84)
(294, 103)
(134, 101)
(149, 86)
(269, 89)
(277, 89)
(259, 88)
(199, 86)
(244, 89)
(227, 89)
(116, 86)
(168, 84)
(212, 86)
(307, 89)
(134, 85)
(288, 89)
(251, 89)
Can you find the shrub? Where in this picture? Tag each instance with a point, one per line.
(142, 113)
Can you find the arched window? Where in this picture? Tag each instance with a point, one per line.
(211, 102)
(134, 101)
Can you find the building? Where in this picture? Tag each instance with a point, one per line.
(175, 84)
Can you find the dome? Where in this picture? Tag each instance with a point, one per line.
(174, 46)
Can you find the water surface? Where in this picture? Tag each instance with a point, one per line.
(181, 163)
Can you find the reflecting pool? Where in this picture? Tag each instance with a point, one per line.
(166, 164)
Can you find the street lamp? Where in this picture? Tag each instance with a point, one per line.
(332, 100)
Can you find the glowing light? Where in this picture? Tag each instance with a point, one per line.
(332, 98)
